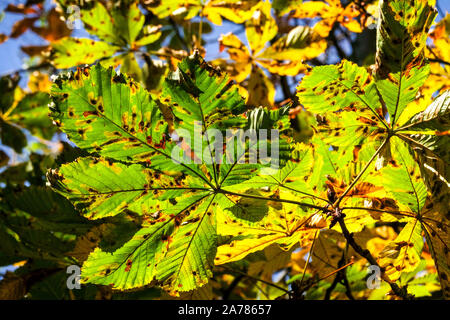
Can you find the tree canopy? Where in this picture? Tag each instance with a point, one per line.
(228, 149)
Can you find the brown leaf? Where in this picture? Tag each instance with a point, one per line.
(3, 37)
(21, 26)
(12, 287)
(56, 28)
(34, 50)
(20, 8)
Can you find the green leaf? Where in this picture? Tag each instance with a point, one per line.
(401, 39)
(207, 100)
(429, 129)
(403, 254)
(285, 6)
(109, 114)
(174, 249)
(401, 35)
(50, 210)
(435, 119)
(403, 180)
(333, 87)
(12, 136)
(98, 21)
(294, 176)
(8, 87)
(400, 89)
(69, 52)
(31, 113)
(262, 118)
(284, 225)
(428, 136)
(92, 185)
(207, 96)
(128, 26)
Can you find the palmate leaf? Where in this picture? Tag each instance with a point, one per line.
(350, 114)
(116, 29)
(403, 181)
(284, 57)
(109, 115)
(427, 134)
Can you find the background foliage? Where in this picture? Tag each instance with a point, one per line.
(358, 90)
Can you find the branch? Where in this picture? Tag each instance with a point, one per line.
(334, 40)
(30, 69)
(226, 294)
(439, 61)
(401, 292)
(341, 277)
(257, 279)
(285, 87)
(178, 34)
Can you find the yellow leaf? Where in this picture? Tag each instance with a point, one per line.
(402, 254)
(285, 225)
(331, 13)
(237, 11)
(261, 27)
(289, 68)
(261, 89)
(39, 82)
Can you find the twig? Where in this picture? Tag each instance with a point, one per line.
(257, 279)
(178, 34)
(333, 39)
(233, 285)
(341, 277)
(30, 69)
(285, 87)
(439, 61)
(401, 292)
